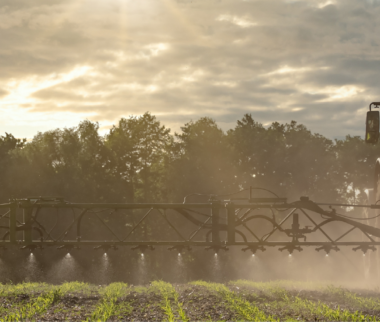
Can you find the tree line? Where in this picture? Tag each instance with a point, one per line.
(139, 160)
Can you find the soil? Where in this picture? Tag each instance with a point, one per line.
(200, 304)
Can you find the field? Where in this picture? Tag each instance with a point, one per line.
(196, 301)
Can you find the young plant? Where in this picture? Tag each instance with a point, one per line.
(108, 306)
(242, 307)
(30, 311)
(171, 303)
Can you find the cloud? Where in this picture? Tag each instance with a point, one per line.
(313, 61)
(3, 92)
(239, 21)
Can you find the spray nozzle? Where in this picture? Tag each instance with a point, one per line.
(217, 248)
(291, 248)
(328, 248)
(254, 249)
(364, 248)
(31, 247)
(143, 248)
(180, 248)
(106, 247)
(68, 247)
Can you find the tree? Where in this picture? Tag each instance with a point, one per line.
(258, 153)
(8, 144)
(202, 162)
(356, 162)
(285, 158)
(139, 146)
(69, 163)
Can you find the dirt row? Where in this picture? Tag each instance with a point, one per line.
(200, 304)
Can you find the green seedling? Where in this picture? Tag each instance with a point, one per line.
(243, 308)
(108, 306)
(171, 303)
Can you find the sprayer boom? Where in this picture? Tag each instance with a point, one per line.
(253, 224)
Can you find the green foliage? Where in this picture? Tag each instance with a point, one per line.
(108, 306)
(245, 310)
(353, 299)
(30, 311)
(295, 305)
(279, 284)
(171, 303)
(73, 287)
(286, 157)
(50, 295)
(323, 311)
(138, 148)
(139, 160)
(23, 288)
(202, 160)
(279, 301)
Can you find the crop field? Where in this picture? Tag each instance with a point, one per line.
(196, 301)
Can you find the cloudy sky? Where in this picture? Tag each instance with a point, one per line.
(62, 61)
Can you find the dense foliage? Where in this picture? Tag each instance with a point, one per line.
(139, 160)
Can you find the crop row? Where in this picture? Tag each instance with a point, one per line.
(248, 301)
(31, 310)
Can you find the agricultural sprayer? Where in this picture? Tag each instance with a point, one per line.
(252, 223)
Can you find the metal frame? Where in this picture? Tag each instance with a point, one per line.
(228, 222)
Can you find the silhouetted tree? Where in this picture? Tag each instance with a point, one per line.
(203, 160)
(139, 146)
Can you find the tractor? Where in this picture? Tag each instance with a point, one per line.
(372, 137)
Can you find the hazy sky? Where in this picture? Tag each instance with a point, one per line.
(316, 62)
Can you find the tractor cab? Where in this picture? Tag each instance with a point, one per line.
(372, 124)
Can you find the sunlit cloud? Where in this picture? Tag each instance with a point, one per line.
(293, 70)
(20, 90)
(64, 61)
(323, 4)
(156, 49)
(336, 93)
(225, 84)
(139, 87)
(239, 21)
(18, 116)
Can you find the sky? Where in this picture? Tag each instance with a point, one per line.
(62, 61)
